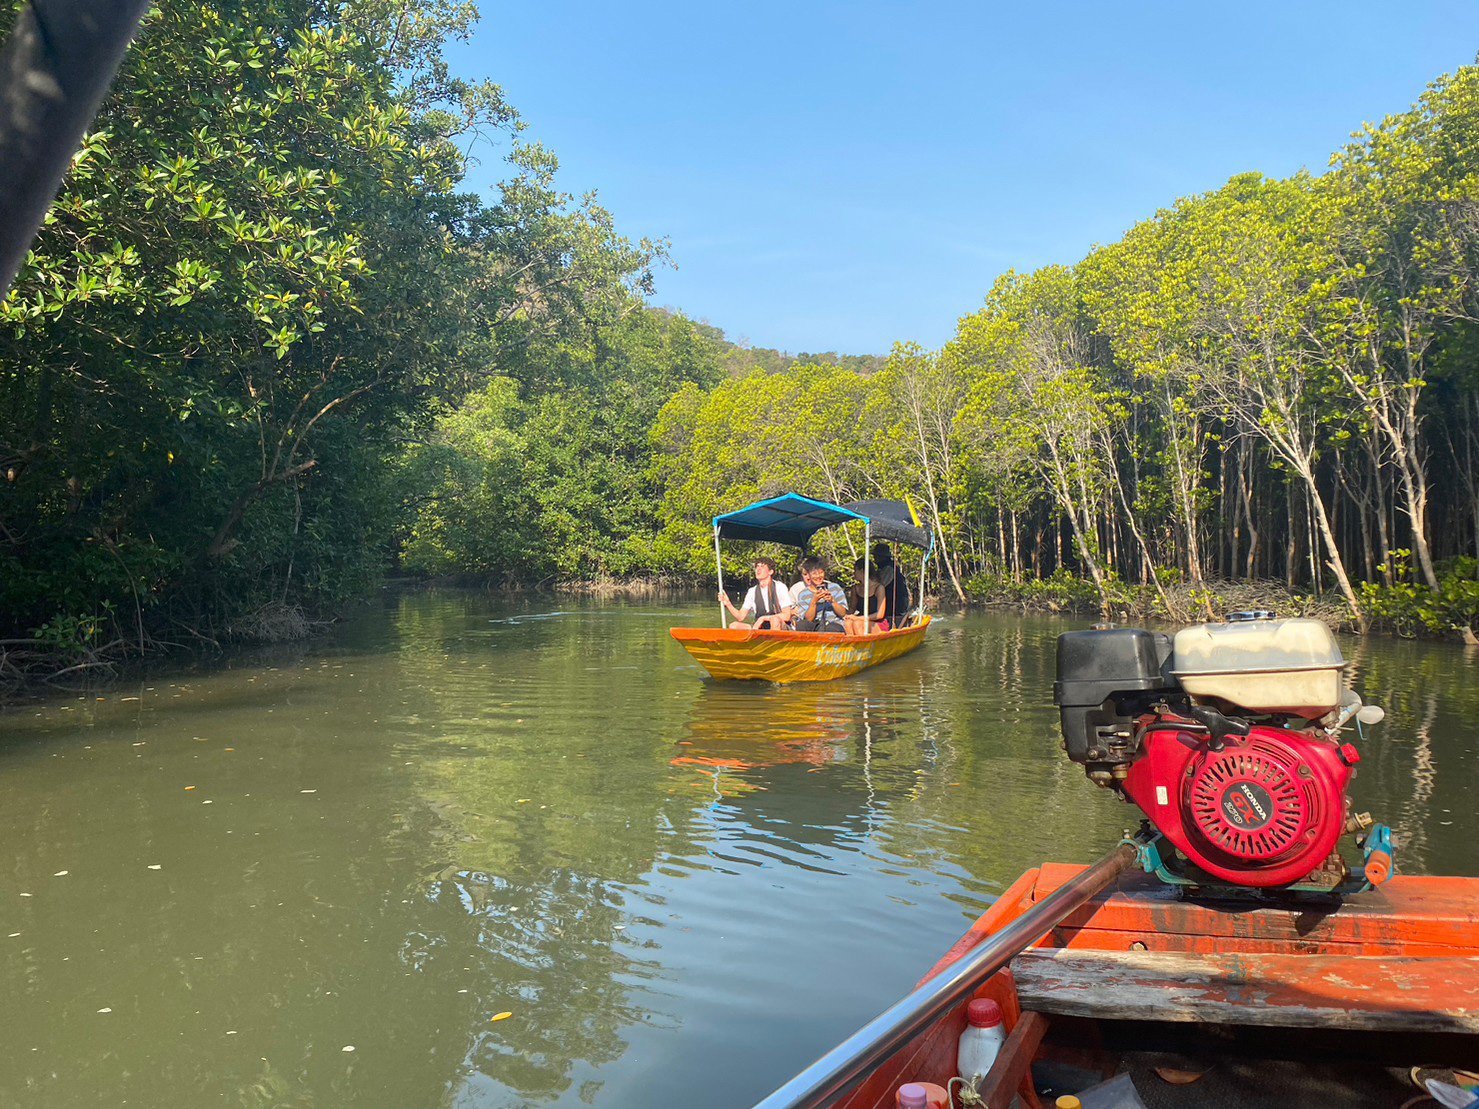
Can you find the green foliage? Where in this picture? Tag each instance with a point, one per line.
(72, 636)
(1060, 591)
(736, 359)
(519, 484)
(467, 509)
(258, 283)
(1410, 608)
(816, 429)
(1243, 384)
(265, 344)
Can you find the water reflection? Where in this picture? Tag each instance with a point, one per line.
(1419, 764)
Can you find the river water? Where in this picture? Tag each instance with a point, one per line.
(318, 877)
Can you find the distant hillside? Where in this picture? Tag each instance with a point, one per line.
(736, 359)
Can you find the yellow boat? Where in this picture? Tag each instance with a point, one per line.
(794, 656)
(791, 656)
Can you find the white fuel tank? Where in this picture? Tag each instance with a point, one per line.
(1289, 666)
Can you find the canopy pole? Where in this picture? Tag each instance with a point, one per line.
(867, 566)
(923, 562)
(719, 565)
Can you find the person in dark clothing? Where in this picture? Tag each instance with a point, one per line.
(895, 585)
(869, 614)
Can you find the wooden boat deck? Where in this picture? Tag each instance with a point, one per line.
(1389, 975)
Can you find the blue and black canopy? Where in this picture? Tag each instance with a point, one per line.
(793, 520)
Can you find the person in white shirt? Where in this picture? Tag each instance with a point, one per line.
(767, 604)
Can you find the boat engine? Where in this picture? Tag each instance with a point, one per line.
(1227, 737)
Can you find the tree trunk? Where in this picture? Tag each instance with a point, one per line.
(1336, 564)
(1245, 492)
(1291, 538)
(1185, 481)
(1016, 549)
(222, 542)
(1155, 580)
(1061, 485)
(1379, 507)
(940, 531)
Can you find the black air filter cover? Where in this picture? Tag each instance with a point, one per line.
(1099, 675)
(1095, 665)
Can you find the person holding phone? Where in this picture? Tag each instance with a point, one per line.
(821, 606)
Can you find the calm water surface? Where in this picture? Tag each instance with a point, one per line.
(313, 878)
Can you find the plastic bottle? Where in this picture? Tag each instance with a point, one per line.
(981, 1040)
(935, 1097)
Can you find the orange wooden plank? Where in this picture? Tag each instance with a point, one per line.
(1105, 939)
(1409, 915)
(1013, 1065)
(1001, 987)
(929, 1057)
(1296, 991)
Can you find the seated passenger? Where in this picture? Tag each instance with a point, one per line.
(821, 605)
(895, 585)
(768, 601)
(872, 616)
(800, 578)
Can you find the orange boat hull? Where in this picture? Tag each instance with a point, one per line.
(1402, 959)
(745, 654)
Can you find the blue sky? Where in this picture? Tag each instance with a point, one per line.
(844, 176)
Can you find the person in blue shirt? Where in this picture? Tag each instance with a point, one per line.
(821, 604)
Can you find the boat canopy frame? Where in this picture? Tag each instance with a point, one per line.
(792, 520)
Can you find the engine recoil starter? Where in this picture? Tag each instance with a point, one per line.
(1265, 809)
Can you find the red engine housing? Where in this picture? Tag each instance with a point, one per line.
(1266, 810)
